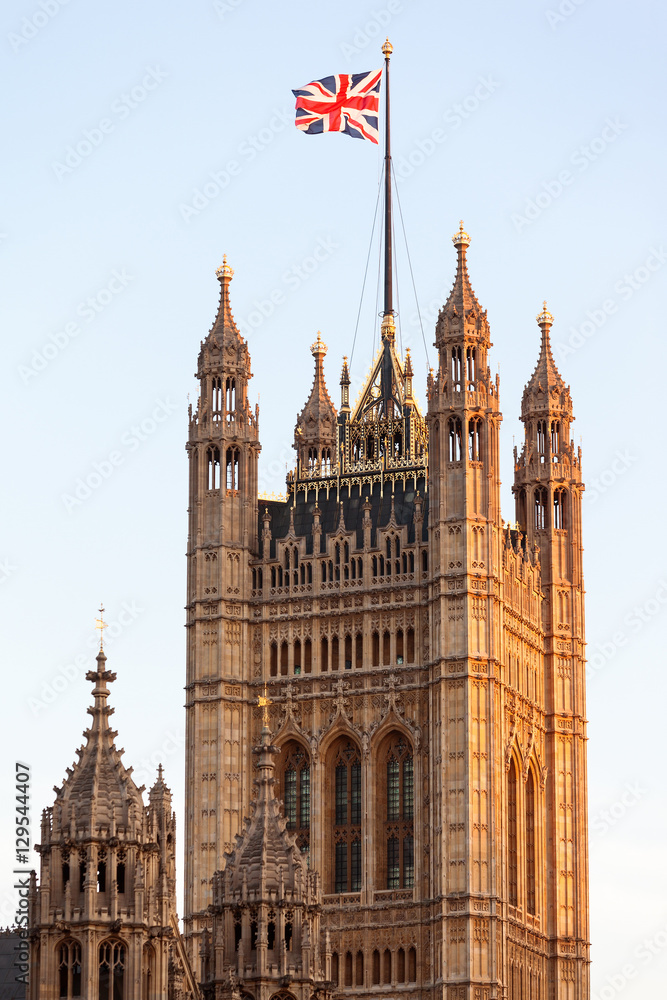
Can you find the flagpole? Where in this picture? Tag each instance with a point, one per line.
(388, 275)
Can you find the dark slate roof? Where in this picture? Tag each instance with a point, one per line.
(9, 988)
(352, 512)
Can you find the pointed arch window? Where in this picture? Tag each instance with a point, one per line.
(347, 817)
(475, 440)
(559, 508)
(512, 839)
(69, 969)
(216, 400)
(296, 792)
(148, 972)
(455, 438)
(397, 834)
(456, 368)
(213, 468)
(112, 962)
(540, 508)
(530, 844)
(232, 466)
(120, 872)
(541, 439)
(555, 440)
(230, 399)
(471, 368)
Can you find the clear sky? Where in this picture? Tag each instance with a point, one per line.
(141, 141)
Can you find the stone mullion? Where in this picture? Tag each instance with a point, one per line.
(370, 828)
(318, 833)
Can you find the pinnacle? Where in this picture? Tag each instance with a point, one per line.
(546, 376)
(98, 784)
(265, 855)
(319, 410)
(224, 324)
(462, 297)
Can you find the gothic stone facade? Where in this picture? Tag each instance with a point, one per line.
(103, 922)
(424, 662)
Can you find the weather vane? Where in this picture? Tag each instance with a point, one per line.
(100, 625)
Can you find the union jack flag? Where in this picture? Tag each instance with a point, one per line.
(344, 103)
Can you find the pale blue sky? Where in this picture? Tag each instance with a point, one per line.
(550, 145)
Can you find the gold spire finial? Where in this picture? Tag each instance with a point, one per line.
(387, 49)
(461, 238)
(545, 318)
(319, 347)
(100, 625)
(264, 701)
(225, 271)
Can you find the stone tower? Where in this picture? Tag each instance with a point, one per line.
(223, 447)
(423, 664)
(548, 490)
(103, 920)
(464, 590)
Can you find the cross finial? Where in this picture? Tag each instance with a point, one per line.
(100, 625)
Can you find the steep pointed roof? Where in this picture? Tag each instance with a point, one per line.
(319, 407)
(384, 385)
(266, 856)
(546, 383)
(224, 325)
(462, 295)
(462, 305)
(98, 786)
(224, 347)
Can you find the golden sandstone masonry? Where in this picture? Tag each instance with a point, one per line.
(423, 663)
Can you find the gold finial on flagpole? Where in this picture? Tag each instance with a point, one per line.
(387, 49)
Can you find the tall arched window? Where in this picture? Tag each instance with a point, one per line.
(296, 792)
(376, 968)
(213, 468)
(559, 508)
(541, 439)
(359, 969)
(148, 973)
(530, 843)
(397, 798)
(232, 464)
(69, 969)
(540, 508)
(456, 368)
(216, 399)
(475, 440)
(512, 845)
(112, 962)
(471, 368)
(455, 437)
(555, 440)
(346, 761)
(230, 398)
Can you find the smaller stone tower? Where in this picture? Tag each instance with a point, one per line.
(266, 935)
(103, 921)
(315, 431)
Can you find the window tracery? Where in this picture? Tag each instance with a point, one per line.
(347, 818)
